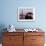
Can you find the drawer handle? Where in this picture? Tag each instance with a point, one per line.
(33, 39)
(11, 38)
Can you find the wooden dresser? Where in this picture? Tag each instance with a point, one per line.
(23, 39)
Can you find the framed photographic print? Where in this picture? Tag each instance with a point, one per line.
(26, 14)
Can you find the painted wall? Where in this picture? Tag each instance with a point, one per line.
(9, 13)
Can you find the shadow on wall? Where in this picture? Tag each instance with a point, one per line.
(2, 26)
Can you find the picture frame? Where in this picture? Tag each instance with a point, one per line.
(26, 14)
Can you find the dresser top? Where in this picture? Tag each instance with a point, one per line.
(22, 30)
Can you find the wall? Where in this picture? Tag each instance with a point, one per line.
(9, 13)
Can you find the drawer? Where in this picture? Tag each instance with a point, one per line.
(37, 39)
(12, 44)
(34, 33)
(27, 37)
(9, 45)
(13, 33)
(27, 41)
(37, 44)
(12, 39)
